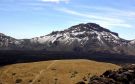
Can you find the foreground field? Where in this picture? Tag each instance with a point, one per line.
(53, 72)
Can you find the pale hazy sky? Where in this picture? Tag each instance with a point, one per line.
(31, 18)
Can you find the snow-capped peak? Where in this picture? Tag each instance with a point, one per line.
(88, 35)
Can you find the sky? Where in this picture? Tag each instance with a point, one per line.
(32, 18)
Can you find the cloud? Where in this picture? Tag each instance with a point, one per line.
(87, 15)
(115, 25)
(56, 1)
(102, 20)
(112, 11)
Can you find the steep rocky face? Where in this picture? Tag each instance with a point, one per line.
(82, 37)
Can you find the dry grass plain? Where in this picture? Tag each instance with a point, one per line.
(53, 72)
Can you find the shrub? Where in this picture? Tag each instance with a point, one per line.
(81, 82)
(13, 74)
(18, 80)
(53, 69)
(84, 78)
(39, 80)
(30, 80)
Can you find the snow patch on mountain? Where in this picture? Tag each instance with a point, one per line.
(132, 42)
(82, 35)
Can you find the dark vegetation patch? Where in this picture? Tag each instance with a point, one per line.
(30, 81)
(22, 56)
(13, 74)
(81, 82)
(73, 74)
(53, 69)
(39, 80)
(18, 81)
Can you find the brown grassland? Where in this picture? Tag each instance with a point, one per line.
(53, 72)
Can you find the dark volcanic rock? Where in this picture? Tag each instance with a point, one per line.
(125, 75)
(101, 80)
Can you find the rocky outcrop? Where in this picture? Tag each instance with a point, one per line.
(125, 75)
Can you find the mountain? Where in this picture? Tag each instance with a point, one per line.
(83, 37)
(7, 42)
(132, 42)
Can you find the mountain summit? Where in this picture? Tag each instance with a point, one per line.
(90, 27)
(79, 38)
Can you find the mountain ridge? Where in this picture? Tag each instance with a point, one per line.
(81, 37)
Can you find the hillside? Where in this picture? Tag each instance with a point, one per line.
(53, 72)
